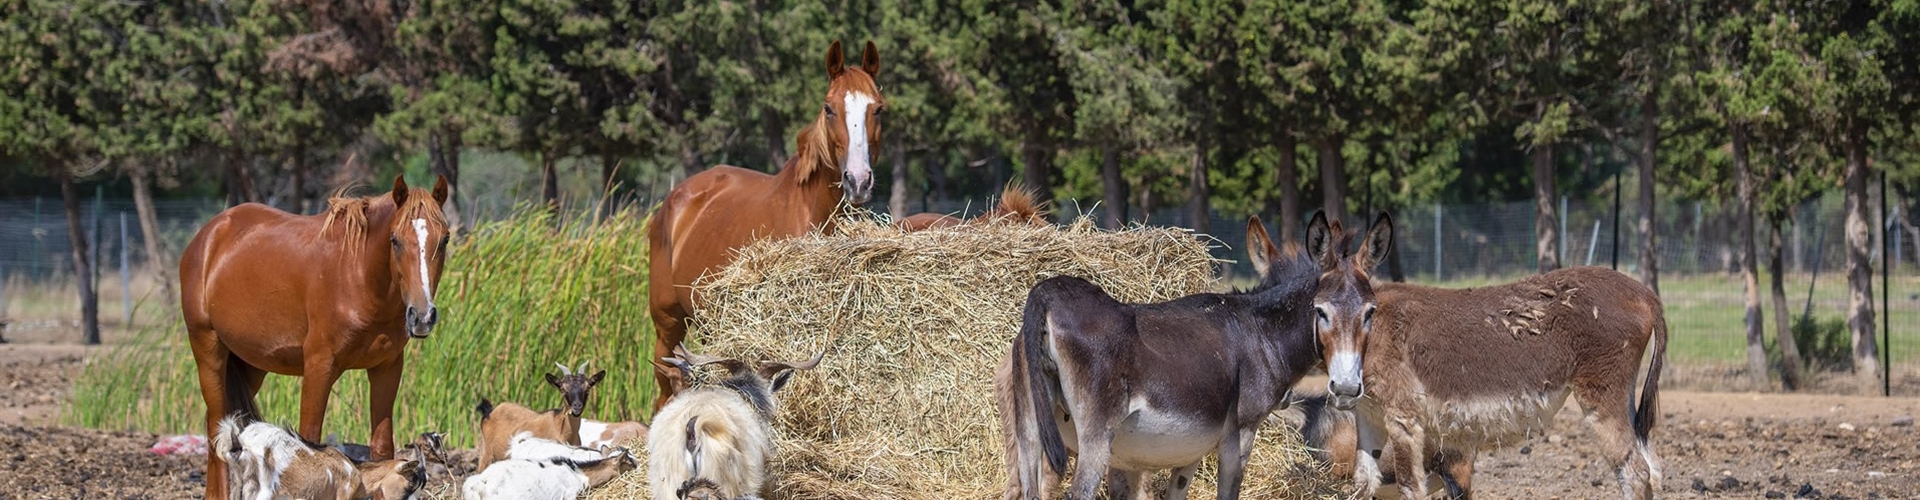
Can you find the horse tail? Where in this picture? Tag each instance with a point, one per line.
(1020, 204)
(1643, 418)
(238, 390)
(1033, 345)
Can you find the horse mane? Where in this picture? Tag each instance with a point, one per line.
(812, 149)
(350, 214)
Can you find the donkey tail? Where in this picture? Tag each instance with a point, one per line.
(1643, 418)
(1033, 344)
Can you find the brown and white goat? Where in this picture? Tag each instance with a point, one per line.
(594, 433)
(267, 461)
(720, 433)
(499, 423)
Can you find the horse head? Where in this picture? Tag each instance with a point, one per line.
(1343, 303)
(419, 250)
(851, 119)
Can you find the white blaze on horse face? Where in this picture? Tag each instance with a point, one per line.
(859, 168)
(426, 279)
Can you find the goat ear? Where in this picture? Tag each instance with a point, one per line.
(553, 381)
(780, 379)
(595, 379)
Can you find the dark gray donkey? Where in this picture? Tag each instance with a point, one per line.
(1134, 388)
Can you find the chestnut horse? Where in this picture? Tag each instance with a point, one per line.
(715, 212)
(1449, 372)
(1016, 205)
(263, 290)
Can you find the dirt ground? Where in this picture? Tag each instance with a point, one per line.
(1716, 445)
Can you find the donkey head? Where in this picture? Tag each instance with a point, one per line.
(1343, 303)
(575, 385)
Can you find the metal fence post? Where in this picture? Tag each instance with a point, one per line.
(1593, 241)
(126, 288)
(1564, 237)
(1437, 275)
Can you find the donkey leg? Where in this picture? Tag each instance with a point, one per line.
(1456, 472)
(1234, 452)
(1181, 481)
(1406, 457)
(1613, 423)
(383, 386)
(1123, 484)
(1096, 449)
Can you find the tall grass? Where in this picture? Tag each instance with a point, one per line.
(520, 294)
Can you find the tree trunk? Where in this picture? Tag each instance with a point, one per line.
(150, 229)
(897, 201)
(1790, 361)
(82, 267)
(1333, 177)
(443, 152)
(549, 181)
(1649, 149)
(1197, 189)
(300, 179)
(1749, 275)
(1860, 320)
(1038, 158)
(1287, 176)
(775, 131)
(1545, 224)
(1113, 187)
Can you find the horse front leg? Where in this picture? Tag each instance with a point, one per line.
(383, 387)
(1234, 452)
(316, 384)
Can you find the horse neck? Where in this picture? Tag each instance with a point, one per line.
(375, 255)
(811, 178)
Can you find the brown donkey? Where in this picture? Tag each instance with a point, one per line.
(1134, 388)
(1450, 372)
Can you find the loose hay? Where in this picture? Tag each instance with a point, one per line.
(914, 323)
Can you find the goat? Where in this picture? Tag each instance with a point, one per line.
(703, 489)
(554, 479)
(499, 423)
(721, 433)
(594, 433)
(270, 462)
(1333, 437)
(524, 446)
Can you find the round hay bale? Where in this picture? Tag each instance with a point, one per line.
(913, 325)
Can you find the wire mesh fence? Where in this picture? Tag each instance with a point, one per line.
(1447, 245)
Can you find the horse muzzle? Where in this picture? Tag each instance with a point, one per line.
(420, 325)
(858, 188)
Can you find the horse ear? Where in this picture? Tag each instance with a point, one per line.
(870, 61)
(440, 190)
(1260, 247)
(399, 190)
(1379, 241)
(1320, 240)
(836, 63)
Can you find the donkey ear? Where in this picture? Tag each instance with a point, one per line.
(1379, 241)
(1260, 247)
(399, 190)
(440, 190)
(836, 63)
(870, 61)
(1320, 239)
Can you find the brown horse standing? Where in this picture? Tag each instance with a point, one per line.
(264, 291)
(1017, 205)
(1451, 372)
(706, 218)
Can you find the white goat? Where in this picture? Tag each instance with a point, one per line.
(594, 433)
(526, 446)
(268, 462)
(551, 479)
(717, 434)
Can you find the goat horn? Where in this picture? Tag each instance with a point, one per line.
(583, 367)
(695, 359)
(563, 369)
(808, 364)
